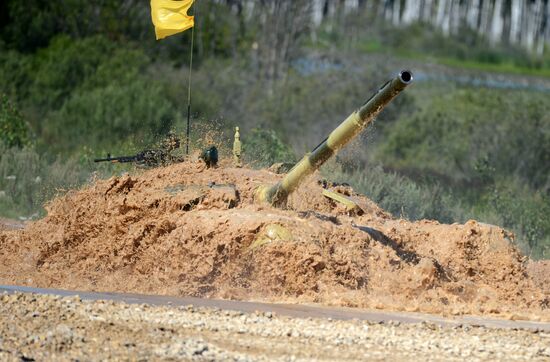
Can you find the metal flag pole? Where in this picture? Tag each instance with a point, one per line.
(188, 130)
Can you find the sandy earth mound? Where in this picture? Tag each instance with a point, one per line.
(540, 272)
(188, 230)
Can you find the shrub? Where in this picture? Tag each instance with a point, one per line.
(107, 117)
(397, 194)
(509, 204)
(14, 131)
(264, 147)
(463, 133)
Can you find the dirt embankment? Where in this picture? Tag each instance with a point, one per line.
(187, 230)
(540, 272)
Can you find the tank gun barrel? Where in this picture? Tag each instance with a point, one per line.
(338, 138)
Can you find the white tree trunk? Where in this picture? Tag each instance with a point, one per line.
(411, 11)
(442, 14)
(317, 12)
(515, 20)
(350, 6)
(396, 19)
(485, 17)
(538, 33)
(497, 23)
(523, 22)
(531, 26)
(446, 19)
(472, 14)
(427, 11)
(454, 16)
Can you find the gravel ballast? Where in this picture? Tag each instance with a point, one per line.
(43, 327)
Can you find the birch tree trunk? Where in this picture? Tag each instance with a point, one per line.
(497, 23)
(427, 10)
(410, 11)
(515, 20)
(454, 16)
(396, 18)
(522, 22)
(446, 19)
(473, 13)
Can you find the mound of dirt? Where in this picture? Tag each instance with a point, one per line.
(188, 230)
(540, 272)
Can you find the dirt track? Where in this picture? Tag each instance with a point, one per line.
(291, 310)
(52, 328)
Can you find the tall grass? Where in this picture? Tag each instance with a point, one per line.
(28, 180)
(507, 206)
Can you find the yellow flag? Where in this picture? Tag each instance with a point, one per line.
(170, 17)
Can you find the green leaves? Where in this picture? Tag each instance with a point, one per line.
(14, 131)
(264, 148)
(90, 92)
(466, 132)
(104, 117)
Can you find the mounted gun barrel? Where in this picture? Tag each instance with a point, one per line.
(343, 134)
(120, 159)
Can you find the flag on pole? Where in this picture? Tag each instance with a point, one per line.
(170, 17)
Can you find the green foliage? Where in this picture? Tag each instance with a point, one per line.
(472, 134)
(106, 116)
(514, 206)
(263, 148)
(15, 75)
(32, 24)
(91, 92)
(467, 49)
(301, 107)
(13, 129)
(396, 194)
(482, 144)
(221, 33)
(508, 204)
(68, 65)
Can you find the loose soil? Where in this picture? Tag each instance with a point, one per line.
(540, 272)
(188, 230)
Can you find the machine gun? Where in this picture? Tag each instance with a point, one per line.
(150, 158)
(146, 158)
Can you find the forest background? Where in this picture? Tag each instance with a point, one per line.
(470, 139)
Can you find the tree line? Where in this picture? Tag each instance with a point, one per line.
(518, 22)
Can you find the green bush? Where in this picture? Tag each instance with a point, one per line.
(508, 205)
(397, 194)
(67, 65)
(32, 24)
(513, 206)
(462, 130)
(421, 40)
(90, 92)
(15, 75)
(264, 147)
(106, 117)
(14, 131)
